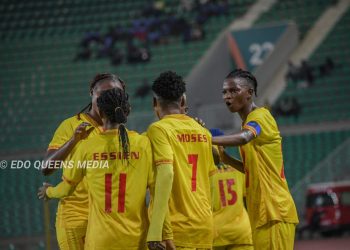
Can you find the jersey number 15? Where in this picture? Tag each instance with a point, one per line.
(229, 188)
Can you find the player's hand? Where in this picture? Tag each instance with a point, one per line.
(42, 191)
(82, 131)
(200, 121)
(156, 245)
(222, 153)
(169, 244)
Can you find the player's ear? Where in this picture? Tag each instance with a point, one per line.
(250, 92)
(154, 102)
(156, 107)
(183, 101)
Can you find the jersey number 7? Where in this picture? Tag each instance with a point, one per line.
(193, 159)
(121, 194)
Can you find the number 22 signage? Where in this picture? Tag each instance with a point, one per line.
(250, 47)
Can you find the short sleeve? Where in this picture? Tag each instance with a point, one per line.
(254, 127)
(263, 125)
(62, 134)
(162, 151)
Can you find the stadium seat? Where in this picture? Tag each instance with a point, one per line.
(327, 99)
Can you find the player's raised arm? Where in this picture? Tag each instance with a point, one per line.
(60, 154)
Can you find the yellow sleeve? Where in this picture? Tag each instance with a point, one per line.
(62, 134)
(152, 168)
(163, 186)
(167, 229)
(167, 233)
(72, 175)
(75, 172)
(162, 151)
(61, 190)
(262, 124)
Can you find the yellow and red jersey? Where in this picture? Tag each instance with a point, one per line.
(268, 196)
(73, 210)
(179, 140)
(117, 189)
(231, 221)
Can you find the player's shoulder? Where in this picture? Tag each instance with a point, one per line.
(154, 127)
(68, 124)
(175, 123)
(260, 114)
(140, 139)
(198, 128)
(71, 121)
(155, 124)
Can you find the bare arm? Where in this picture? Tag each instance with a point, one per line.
(53, 155)
(238, 139)
(60, 154)
(229, 160)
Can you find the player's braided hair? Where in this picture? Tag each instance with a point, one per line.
(169, 86)
(114, 104)
(98, 79)
(246, 75)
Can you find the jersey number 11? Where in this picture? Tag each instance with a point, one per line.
(121, 194)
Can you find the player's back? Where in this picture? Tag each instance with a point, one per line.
(231, 221)
(190, 154)
(118, 214)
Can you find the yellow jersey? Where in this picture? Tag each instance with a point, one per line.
(179, 140)
(73, 210)
(117, 183)
(268, 196)
(231, 221)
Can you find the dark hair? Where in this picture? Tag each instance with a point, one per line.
(114, 104)
(169, 86)
(101, 78)
(239, 73)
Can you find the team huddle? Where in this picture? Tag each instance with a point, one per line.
(174, 186)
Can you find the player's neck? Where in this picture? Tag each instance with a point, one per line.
(169, 111)
(93, 114)
(108, 126)
(244, 112)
